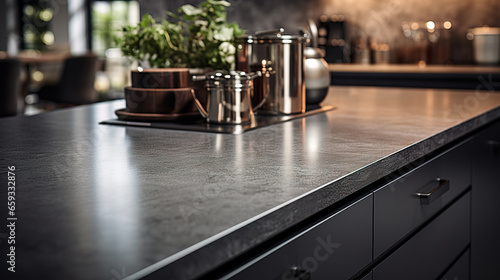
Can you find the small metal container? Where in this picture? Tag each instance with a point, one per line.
(281, 60)
(228, 97)
(317, 76)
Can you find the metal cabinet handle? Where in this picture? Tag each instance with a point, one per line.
(432, 191)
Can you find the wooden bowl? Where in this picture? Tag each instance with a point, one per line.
(159, 101)
(161, 78)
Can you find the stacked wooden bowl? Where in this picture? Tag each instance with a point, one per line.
(165, 91)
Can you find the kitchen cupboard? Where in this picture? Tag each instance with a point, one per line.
(398, 210)
(433, 249)
(485, 247)
(424, 215)
(460, 269)
(334, 248)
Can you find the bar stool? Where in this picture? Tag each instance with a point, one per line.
(10, 73)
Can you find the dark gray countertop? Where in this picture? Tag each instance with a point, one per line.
(98, 201)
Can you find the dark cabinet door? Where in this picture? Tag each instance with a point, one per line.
(335, 248)
(459, 270)
(398, 210)
(485, 243)
(340, 246)
(369, 276)
(429, 253)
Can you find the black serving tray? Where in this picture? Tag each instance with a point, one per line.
(201, 125)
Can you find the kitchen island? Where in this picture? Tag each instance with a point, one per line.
(97, 201)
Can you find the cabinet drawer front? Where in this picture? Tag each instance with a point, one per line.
(431, 250)
(275, 264)
(340, 246)
(335, 248)
(460, 269)
(397, 208)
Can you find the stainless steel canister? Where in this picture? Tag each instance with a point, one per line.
(281, 60)
(228, 97)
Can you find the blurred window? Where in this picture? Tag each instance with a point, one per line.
(107, 19)
(36, 17)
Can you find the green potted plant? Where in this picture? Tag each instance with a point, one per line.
(167, 51)
(194, 37)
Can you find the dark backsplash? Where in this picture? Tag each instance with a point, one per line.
(373, 22)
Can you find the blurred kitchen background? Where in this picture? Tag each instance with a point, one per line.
(395, 26)
(416, 32)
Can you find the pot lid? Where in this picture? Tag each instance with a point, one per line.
(271, 36)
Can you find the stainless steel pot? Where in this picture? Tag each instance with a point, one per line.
(228, 97)
(280, 58)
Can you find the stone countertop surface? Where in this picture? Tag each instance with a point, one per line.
(97, 201)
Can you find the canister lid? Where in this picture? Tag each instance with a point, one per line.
(223, 78)
(223, 75)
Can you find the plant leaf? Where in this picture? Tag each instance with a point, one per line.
(146, 20)
(190, 10)
(222, 3)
